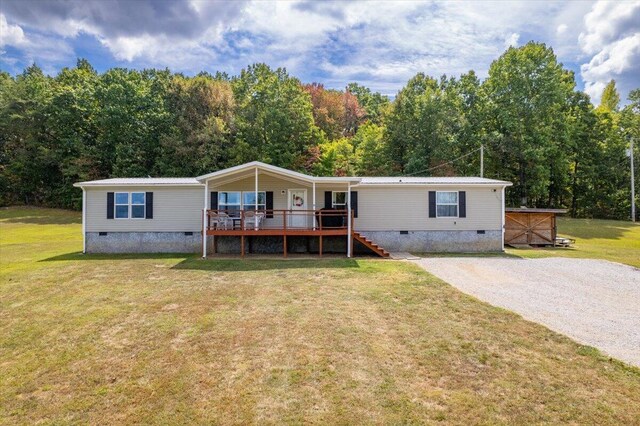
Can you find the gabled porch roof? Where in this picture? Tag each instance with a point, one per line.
(249, 169)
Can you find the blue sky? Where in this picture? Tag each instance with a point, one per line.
(380, 44)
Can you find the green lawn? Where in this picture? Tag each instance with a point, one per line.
(613, 240)
(175, 339)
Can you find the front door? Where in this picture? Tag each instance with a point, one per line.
(297, 205)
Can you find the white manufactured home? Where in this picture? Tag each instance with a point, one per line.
(259, 208)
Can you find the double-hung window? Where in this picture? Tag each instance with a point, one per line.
(249, 200)
(339, 200)
(446, 204)
(234, 201)
(230, 202)
(129, 205)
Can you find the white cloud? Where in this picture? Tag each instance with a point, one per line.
(11, 35)
(612, 40)
(381, 44)
(512, 40)
(164, 33)
(31, 47)
(607, 21)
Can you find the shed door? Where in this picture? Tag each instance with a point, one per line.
(529, 228)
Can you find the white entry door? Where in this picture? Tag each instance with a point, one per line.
(298, 202)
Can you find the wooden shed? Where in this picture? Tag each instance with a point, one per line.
(531, 226)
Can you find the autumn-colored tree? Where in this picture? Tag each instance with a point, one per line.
(337, 113)
(328, 110)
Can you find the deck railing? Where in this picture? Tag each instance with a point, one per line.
(231, 220)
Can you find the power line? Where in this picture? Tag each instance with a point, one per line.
(444, 164)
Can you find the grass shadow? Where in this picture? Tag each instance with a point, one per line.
(79, 256)
(263, 264)
(192, 261)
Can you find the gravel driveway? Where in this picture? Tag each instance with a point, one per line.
(592, 301)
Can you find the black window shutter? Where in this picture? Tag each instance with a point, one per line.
(214, 200)
(462, 204)
(110, 206)
(327, 200)
(432, 203)
(148, 200)
(354, 203)
(269, 195)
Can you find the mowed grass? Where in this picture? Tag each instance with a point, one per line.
(613, 240)
(175, 339)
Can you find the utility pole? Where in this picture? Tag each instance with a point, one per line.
(633, 181)
(482, 161)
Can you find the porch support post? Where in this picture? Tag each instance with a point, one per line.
(255, 222)
(349, 219)
(204, 220)
(314, 205)
(84, 220)
(502, 216)
(284, 245)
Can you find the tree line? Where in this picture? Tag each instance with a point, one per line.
(537, 130)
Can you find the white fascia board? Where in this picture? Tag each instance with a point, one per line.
(139, 185)
(395, 185)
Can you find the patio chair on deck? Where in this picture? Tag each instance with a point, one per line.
(220, 220)
(253, 220)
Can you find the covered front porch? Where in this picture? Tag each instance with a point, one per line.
(260, 200)
(279, 223)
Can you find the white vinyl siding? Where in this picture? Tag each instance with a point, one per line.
(406, 208)
(279, 186)
(175, 209)
(388, 208)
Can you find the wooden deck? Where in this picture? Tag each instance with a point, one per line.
(278, 223)
(277, 232)
(286, 223)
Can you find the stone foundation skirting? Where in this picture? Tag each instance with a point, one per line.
(143, 242)
(437, 241)
(179, 242)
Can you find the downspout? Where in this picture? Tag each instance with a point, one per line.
(84, 220)
(314, 205)
(349, 219)
(204, 220)
(255, 222)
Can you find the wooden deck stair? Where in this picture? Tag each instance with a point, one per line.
(370, 244)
